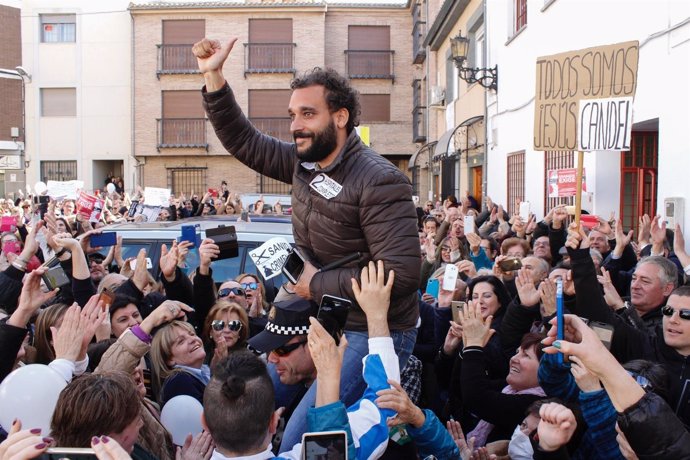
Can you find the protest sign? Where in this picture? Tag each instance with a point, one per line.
(64, 190)
(154, 196)
(97, 210)
(8, 224)
(563, 182)
(583, 98)
(85, 205)
(583, 101)
(270, 257)
(150, 213)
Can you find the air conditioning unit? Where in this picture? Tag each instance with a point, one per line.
(438, 96)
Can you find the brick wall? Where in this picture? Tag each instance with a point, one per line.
(10, 57)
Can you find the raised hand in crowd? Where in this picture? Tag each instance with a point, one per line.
(208, 250)
(374, 297)
(328, 360)
(467, 267)
(577, 238)
(465, 447)
(168, 261)
(85, 241)
(453, 339)
(604, 226)
(31, 298)
(182, 251)
(24, 444)
(476, 331)
(80, 267)
(531, 224)
(210, 56)
(547, 295)
(166, 312)
(199, 447)
(658, 235)
(556, 426)
(117, 253)
(679, 247)
(430, 248)
(644, 230)
(611, 296)
(67, 340)
(559, 216)
(475, 242)
(93, 315)
(622, 240)
(519, 227)
(529, 296)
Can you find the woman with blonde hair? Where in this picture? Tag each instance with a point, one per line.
(225, 330)
(256, 293)
(177, 359)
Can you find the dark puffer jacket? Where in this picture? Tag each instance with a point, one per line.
(372, 214)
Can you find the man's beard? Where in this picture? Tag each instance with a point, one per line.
(322, 143)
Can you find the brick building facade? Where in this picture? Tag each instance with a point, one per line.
(174, 143)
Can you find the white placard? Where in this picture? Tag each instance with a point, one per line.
(64, 190)
(325, 186)
(270, 257)
(154, 196)
(605, 124)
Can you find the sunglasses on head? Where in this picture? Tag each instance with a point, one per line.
(234, 290)
(684, 313)
(252, 286)
(287, 349)
(234, 325)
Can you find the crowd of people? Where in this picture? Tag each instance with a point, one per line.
(489, 374)
(476, 366)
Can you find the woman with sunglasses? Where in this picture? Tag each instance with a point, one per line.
(256, 293)
(225, 330)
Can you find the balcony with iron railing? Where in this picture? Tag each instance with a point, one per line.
(269, 58)
(176, 59)
(370, 64)
(182, 133)
(419, 124)
(278, 127)
(418, 49)
(418, 33)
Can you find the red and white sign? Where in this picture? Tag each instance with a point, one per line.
(563, 182)
(89, 207)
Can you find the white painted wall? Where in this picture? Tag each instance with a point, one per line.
(663, 91)
(98, 65)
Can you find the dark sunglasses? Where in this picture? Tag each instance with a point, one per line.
(287, 349)
(234, 325)
(235, 290)
(684, 313)
(252, 286)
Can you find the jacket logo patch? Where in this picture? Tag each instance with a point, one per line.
(325, 186)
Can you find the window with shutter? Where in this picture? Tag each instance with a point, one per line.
(268, 112)
(58, 102)
(375, 107)
(183, 123)
(270, 47)
(175, 54)
(369, 53)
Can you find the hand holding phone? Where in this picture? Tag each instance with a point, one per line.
(293, 266)
(332, 315)
(432, 287)
(324, 444)
(450, 277)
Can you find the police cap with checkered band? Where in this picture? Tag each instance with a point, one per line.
(286, 319)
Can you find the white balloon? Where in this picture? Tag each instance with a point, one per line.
(110, 187)
(181, 416)
(40, 187)
(30, 394)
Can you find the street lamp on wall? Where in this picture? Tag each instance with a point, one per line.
(488, 78)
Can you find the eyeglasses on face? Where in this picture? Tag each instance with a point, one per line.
(445, 248)
(234, 325)
(684, 313)
(252, 286)
(233, 290)
(287, 349)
